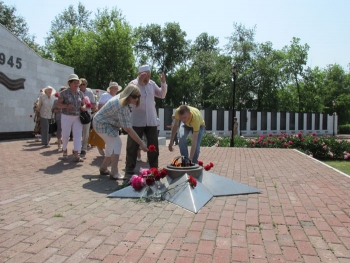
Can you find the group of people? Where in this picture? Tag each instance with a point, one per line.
(134, 112)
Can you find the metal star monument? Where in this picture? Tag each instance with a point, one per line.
(176, 190)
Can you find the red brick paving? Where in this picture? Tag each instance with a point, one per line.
(53, 210)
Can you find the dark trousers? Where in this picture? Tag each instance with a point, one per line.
(132, 147)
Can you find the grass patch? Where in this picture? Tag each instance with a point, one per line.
(341, 165)
(57, 215)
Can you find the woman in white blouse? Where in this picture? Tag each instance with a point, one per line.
(44, 108)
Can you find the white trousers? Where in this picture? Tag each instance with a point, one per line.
(71, 123)
(113, 144)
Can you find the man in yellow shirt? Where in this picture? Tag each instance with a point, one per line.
(191, 121)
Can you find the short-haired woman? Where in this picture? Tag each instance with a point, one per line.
(44, 108)
(115, 114)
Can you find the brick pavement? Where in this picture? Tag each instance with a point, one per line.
(57, 211)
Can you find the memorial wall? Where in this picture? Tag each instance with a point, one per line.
(23, 73)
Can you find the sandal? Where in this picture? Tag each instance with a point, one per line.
(117, 176)
(65, 156)
(105, 172)
(77, 159)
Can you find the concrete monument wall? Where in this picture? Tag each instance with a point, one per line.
(23, 73)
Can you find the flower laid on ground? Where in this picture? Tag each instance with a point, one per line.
(192, 181)
(152, 148)
(206, 167)
(147, 177)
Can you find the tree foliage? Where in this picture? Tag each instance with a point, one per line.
(18, 26)
(99, 49)
(104, 47)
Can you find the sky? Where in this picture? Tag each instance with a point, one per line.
(322, 24)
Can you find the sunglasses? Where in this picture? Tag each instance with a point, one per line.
(135, 96)
(83, 84)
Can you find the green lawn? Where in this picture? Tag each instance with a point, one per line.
(343, 166)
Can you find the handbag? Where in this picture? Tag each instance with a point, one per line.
(52, 126)
(85, 117)
(95, 139)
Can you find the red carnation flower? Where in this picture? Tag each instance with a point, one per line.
(157, 177)
(56, 95)
(207, 167)
(30, 115)
(211, 164)
(200, 163)
(156, 173)
(152, 148)
(97, 90)
(153, 170)
(163, 173)
(41, 90)
(149, 181)
(192, 181)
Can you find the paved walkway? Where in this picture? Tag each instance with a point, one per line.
(57, 211)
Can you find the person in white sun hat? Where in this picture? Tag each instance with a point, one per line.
(71, 101)
(112, 90)
(44, 108)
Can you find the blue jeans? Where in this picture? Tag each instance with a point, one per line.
(183, 133)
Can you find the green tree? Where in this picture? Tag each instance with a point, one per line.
(241, 48)
(296, 58)
(18, 26)
(98, 49)
(163, 48)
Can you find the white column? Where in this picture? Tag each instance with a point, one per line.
(313, 127)
(248, 132)
(269, 122)
(305, 122)
(214, 116)
(296, 120)
(226, 128)
(278, 123)
(258, 123)
(287, 122)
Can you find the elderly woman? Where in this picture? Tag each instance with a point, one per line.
(71, 102)
(44, 108)
(112, 90)
(57, 113)
(115, 114)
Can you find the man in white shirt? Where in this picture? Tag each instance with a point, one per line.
(86, 127)
(144, 118)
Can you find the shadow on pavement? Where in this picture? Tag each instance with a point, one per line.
(101, 184)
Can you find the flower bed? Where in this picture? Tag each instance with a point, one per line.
(327, 147)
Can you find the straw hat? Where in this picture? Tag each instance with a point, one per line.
(114, 84)
(72, 77)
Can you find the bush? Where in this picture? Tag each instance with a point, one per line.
(344, 129)
(318, 147)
